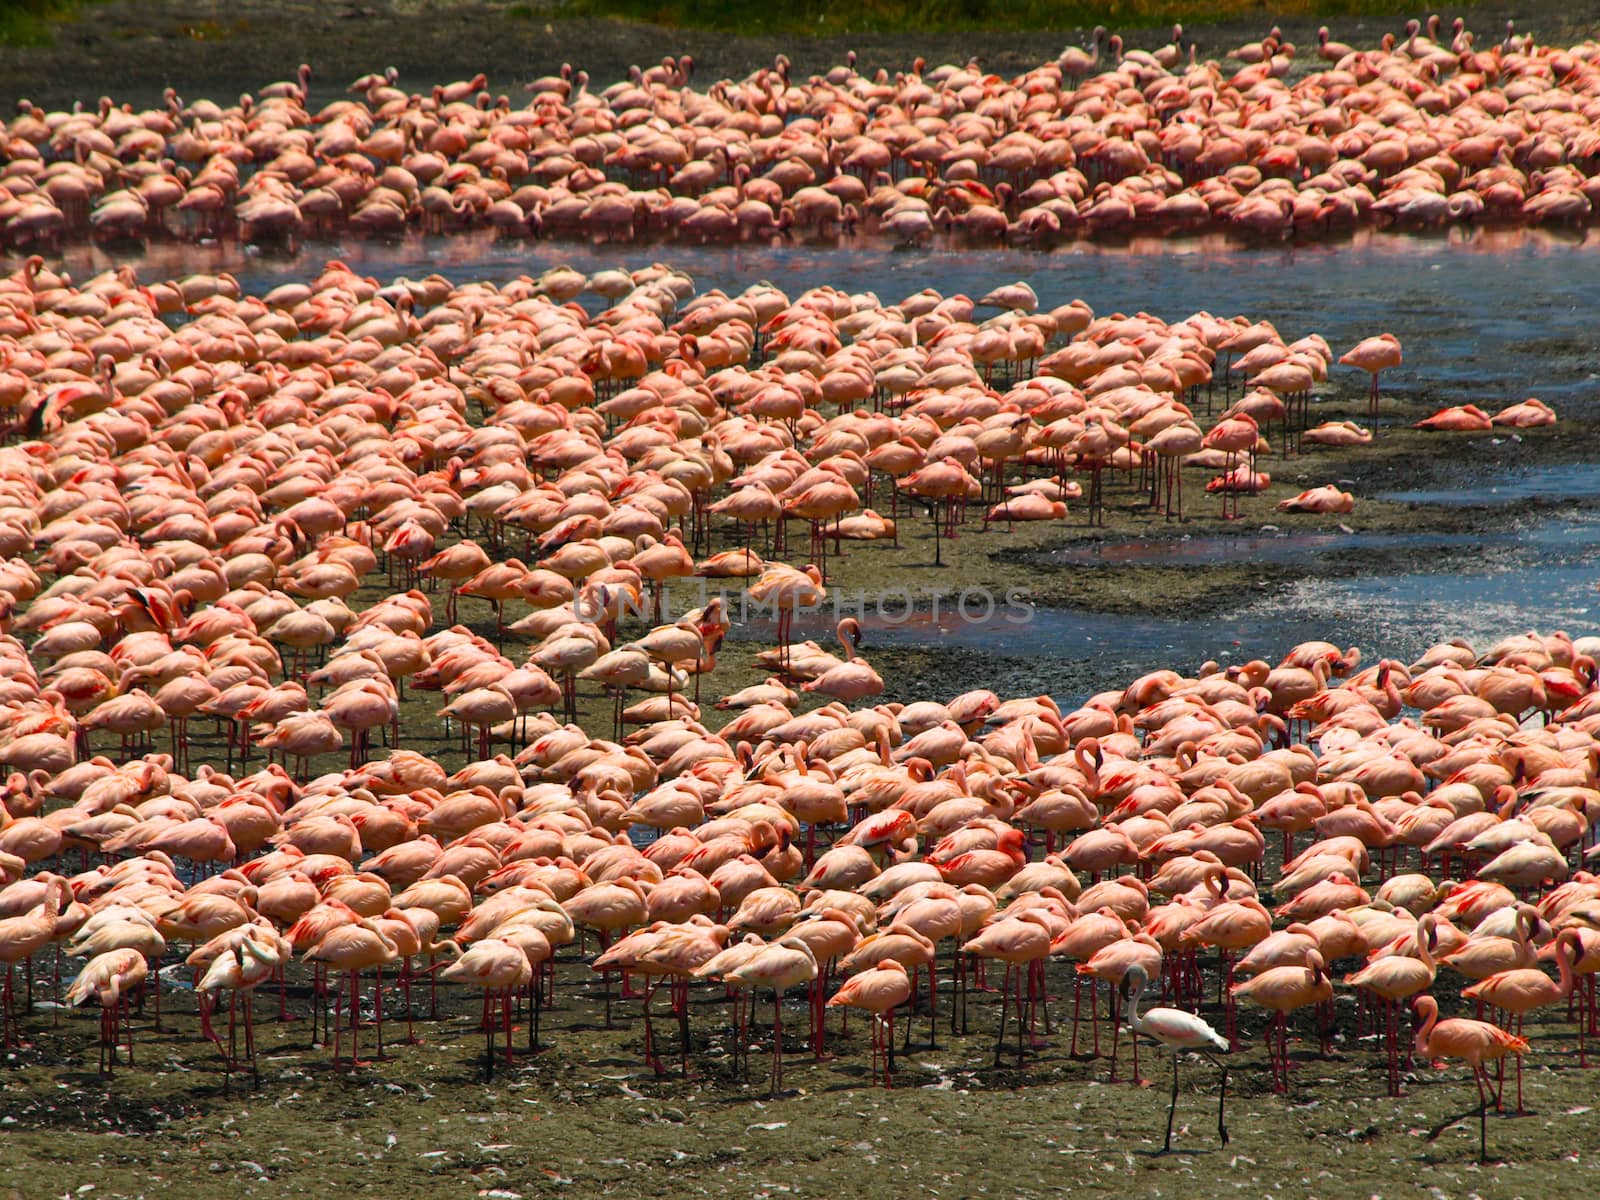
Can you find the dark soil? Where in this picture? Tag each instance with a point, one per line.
(131, 49)
(585, 1118)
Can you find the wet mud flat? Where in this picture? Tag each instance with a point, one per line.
(132, 49)
(584, 1117)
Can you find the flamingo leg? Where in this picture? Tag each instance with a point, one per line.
(1280, 1063)
(488, 1036)
(535, 1002)
(12, 1027)
(680, 1001)
(1391, 1023)
(888, 1042)
(106, 1039)
(1005, 1004)
(738, 1029)
(355, 1021)
(338, 1021)
(405, 991)
(1483, 1112)
(1077, 1007)
(1519, 1085)
(818, 995)
(377, 1006)
(1039, 999)
(1094, 1014)
(649, 1032)
(505, 1018)
(777, 1040)
(1024, 1006)
(1116, 1033)
(283, 996)
(1172, 1109)
(250, 1033)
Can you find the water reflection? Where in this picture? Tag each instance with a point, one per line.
(1568, 481)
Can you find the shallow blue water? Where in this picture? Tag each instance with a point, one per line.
(1566, 481)
(1542, 576)
(1266, 546)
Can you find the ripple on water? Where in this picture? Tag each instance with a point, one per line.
(1565, 481)
(1542, 575)
(1268, 546)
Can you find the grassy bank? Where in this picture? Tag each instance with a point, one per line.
(33, 22)
(821, 18)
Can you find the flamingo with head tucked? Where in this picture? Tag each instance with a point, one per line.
(108, 978)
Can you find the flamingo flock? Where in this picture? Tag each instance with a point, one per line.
(719, 399)
(228, 520)
(1419, 131)
(1126, 841)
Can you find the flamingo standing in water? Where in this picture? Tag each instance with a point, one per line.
(786, 589)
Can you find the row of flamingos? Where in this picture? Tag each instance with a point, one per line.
(1416, 131)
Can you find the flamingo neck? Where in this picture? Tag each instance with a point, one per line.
(1565, 953)
(1425, 1032)
(1424, 936)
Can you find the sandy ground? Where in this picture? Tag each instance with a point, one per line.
(131, 49)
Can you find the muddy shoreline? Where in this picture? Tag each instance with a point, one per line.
(132, 49)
